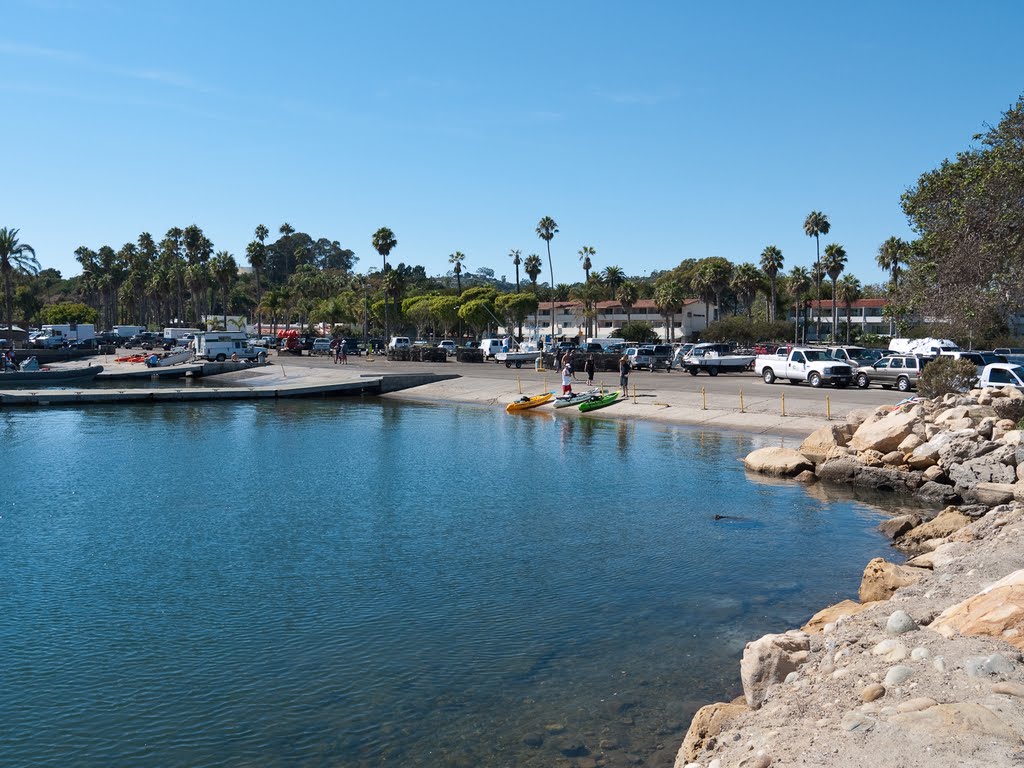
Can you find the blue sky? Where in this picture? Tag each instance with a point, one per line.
(652, 131)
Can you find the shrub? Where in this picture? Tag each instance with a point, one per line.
(638, 331)
(944, 375)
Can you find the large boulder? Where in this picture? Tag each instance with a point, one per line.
(895, 527)
(881, 578)
(885, 434)
(957, 720)
(996, 611)
(946, 523)
(984, 469)
(937, 493)
(705, 726)
(1011, 406)
(831, 615)
(768, 660)
(992, 494)
(780, 462)
(822, 440)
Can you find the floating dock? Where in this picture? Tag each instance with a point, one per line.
(369, 384)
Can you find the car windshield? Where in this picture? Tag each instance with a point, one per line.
(814, 355)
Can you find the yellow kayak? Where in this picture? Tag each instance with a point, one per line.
(528, 402)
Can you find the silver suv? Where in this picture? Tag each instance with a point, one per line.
(900, 371)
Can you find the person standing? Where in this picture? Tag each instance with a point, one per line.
(624, 368)
(589, 367)
(566, 380)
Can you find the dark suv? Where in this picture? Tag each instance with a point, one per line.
(145, 340)
(662, 357)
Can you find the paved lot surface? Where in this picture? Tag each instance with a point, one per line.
(670, 397)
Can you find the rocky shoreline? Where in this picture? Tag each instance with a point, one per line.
(926, 668)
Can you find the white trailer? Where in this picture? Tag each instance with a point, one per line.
(171, 335)
(127, 331)
(58, 334)
(227, 345)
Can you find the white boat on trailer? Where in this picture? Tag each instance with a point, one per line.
(524, 353)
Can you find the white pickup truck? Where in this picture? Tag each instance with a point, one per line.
(815, 366)
(1002, 375)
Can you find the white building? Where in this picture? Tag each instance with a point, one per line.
(569, 322)
(865, 317)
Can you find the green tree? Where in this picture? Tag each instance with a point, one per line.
(547, 228)
(516, 307)
(516, 260)
(383, 243)
(834, 264)
(847, 291)
(640, 332)
(968, 265)
(747, 280)
(798, 282)
(771, 264)
(532, 267)
(456, 259)
(445, 310)
(815, 225)
(893, 254)
(627, 295)
(225, 272)
(69, 312)
(15, 257)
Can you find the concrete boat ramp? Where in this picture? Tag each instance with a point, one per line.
(240, 382)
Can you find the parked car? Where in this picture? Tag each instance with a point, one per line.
(640, 357)
(662, 357)
(399, 342)
(83, 344)
(351, 346)
(900, 371)
(145, 340)
(448, 346)
(321, 347)
(109, 338)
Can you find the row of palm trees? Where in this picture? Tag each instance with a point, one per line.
(179, 276)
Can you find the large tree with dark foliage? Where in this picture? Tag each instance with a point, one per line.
(967, 268)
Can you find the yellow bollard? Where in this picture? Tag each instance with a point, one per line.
(741, 400)
(828, 407)
(704, 399)
(519, 381)
(783, 403)
(634, 394)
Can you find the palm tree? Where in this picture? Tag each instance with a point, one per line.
(514, 255)
(547, 228)
(383, 243)
(834, 264)
(456, 259)
(585, 253)
(668, 296)
(771, 265)
(848, 291)
(14, 257)
(274, 303)
(613, 277)
(747, 280)
(256, 253)
(225, 271)
(799, 281)
(892, 254)
(627, 295)
(532, 267)
(815, 225)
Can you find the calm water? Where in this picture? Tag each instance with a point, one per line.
(346, 583)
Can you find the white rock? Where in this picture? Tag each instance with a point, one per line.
(939, 664)
(899, 623)
(920, 654)
(890, 650)
(897, 675)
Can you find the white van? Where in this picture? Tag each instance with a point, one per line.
(399, 342)
(223, 345)
(491, 347)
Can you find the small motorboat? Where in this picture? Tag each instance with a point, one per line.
(169, 358)
(526, 402)
(576, 398)
(30, 374)
(600, 402)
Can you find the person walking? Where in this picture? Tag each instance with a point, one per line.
(337, 350)
(624, 368)
(589, 367)
(566, 380)
(342, 352)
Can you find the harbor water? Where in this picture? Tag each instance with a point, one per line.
(365, 583)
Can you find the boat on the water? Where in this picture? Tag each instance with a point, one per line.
(528, 402)
(575, 399)
(31, 374)
(600, 402)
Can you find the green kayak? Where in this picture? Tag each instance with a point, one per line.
(599, 402)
